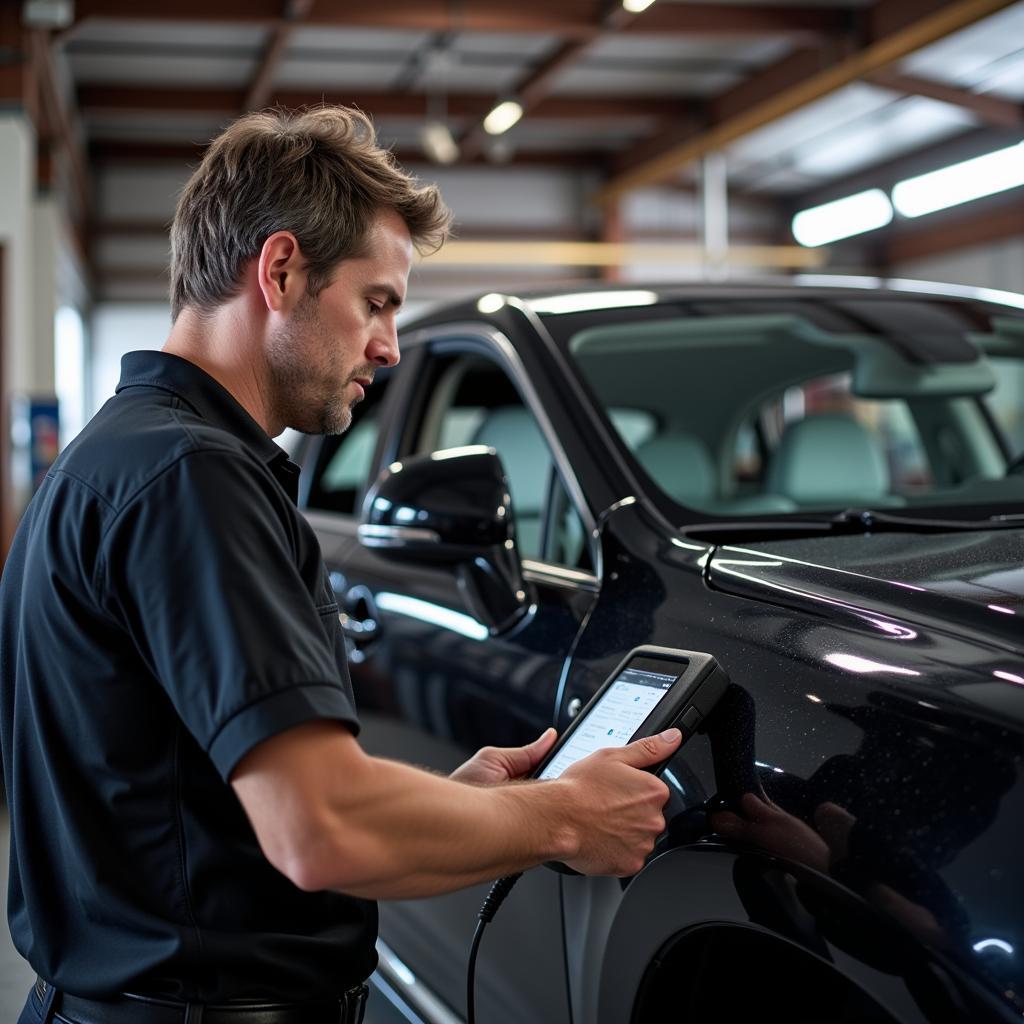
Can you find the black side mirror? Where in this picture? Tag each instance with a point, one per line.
(453, 507)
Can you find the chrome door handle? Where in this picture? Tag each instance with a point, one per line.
(358, 619)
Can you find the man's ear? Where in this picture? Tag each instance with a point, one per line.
(281, 272)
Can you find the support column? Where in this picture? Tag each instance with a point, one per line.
(18, 372)
(715, 206)
(612, 230)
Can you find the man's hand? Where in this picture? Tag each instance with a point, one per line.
(617, 805)
(765, 824)
(492, 766)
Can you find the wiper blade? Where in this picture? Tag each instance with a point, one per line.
(868, 520)
(849, 521)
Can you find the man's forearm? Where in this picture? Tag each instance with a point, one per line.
(409, 833)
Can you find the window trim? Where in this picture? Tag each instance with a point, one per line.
(470, 337)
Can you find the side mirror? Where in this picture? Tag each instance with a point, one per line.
(453, 507)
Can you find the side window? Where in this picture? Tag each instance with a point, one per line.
(473, 401)
(344, 462)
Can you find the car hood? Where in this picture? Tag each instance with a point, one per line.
(969, 583)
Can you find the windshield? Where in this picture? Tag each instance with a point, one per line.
(743, 406)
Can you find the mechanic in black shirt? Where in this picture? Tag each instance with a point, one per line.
(193, 823)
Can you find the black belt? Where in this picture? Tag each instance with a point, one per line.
(128, 1008)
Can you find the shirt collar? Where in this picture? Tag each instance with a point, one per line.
(208, 399)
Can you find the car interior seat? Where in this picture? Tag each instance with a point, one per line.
(513, 433)
(681, 466)
(831, 460)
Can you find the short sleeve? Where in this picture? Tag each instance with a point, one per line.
(216, 583)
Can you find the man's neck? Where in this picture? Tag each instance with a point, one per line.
(224, 345)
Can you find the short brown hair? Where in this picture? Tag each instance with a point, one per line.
(318, 173)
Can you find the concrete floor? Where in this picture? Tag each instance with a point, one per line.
(16, 976)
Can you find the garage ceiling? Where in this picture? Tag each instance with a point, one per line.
(807, 100)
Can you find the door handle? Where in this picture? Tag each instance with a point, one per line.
(358, 619)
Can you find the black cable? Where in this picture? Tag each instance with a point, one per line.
(501, 888)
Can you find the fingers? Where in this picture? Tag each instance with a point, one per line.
(650, 750)
(727, 824)
(834, 823)
(756, 809)
(541, 745)
(521, 761)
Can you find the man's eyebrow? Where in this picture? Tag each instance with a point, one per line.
(394, 299)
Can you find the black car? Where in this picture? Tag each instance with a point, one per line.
(822, 486)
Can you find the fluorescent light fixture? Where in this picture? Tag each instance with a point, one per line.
(502, 117)
(584, 302)
(853, 215)
(636, 6)
(438, 143)
(960, 183)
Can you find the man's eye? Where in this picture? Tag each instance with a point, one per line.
(375, 308)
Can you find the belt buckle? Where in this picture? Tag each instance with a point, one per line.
(354, 1003)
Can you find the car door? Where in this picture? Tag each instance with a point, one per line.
(431, 683)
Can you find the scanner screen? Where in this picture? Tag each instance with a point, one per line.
(613, 720)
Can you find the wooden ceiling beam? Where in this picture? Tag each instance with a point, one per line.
(928, 22)
(738, 20)
(111, 151)
(969, 144)
(132, 99)
(993, 110)
(262, 84)
(984, 222)
(567, 20)
(422, 15)
(536, 85)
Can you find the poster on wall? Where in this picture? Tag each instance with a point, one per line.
(35, 432)
(44, 435)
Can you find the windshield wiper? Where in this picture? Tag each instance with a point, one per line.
(869, 520)
(849, 521)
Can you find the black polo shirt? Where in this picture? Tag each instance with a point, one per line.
(163, 610)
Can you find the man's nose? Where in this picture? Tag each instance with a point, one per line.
(383, 348)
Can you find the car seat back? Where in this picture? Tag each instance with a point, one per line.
(830, 459)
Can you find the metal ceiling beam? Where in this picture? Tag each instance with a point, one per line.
(984, 222)
(132, 99)
(969, 144)
(568, 20)
(993, 110)
(537, 84)
(295, 11)
(940, 20)
(111, 151)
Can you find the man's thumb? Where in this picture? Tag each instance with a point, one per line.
(651, 749)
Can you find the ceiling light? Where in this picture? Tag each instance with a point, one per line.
(502, 117)
(438, 143)
(636, 6)
(853, 215)
(47, 14)
(960, 183)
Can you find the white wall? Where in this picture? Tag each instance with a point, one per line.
(118, 328)
(17, 188)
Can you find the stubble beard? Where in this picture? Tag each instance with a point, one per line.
(307, 403)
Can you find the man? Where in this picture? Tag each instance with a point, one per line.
(196, 832)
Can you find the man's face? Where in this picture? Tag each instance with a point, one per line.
(325, 354)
